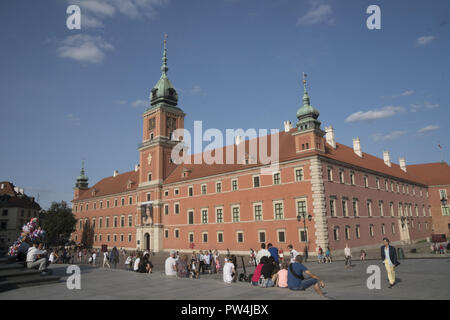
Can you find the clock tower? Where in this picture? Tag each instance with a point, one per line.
(160, 120)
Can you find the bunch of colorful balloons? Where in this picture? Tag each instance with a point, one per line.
(30, 233)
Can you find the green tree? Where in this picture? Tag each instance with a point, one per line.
(58, 223)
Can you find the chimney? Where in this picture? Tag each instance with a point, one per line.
(116, 173)
(287, 126)
(357, 147)
(402, 162)
(387, 158)
(16, 189)
(21, 191)
(330, 136)
(3, 186)
(238, 139)
(136, 168)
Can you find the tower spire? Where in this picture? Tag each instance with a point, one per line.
(164, 67)
(306, 100)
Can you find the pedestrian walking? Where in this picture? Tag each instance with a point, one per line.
(114, 257)
(389, 258)
(348, 256)
(328, 256)
(106, 259)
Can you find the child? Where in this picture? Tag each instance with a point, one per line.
(282, 276)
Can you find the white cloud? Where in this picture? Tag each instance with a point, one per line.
(407, 93)
(73, 119)
(384, 112)
(428, 129)
(391, 136)
(84, 48)
(197, 90)
(94, 11)
(90, 22)
(318, 13)
(414, 107)
(140, 104)
(421, 41)
(428, 105)
(96, 7)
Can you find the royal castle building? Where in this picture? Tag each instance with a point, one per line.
(322, 193)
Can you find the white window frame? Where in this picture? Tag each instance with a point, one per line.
(275, 202)
(255, 204)
(215, 210)
(295, 174)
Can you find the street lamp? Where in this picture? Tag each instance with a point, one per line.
(299, 219)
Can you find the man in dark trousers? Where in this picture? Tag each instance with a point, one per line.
(389, 258)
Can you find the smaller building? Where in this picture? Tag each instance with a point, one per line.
(437, 177)
(16, 208)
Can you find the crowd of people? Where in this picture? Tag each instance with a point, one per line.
(439, 248)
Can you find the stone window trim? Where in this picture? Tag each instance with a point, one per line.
(217, 236)
(175, 231)
(276, 204)
(175, 206)
(254, 205)
(240, 232)
(262, 231)
(302, 174)
(203, 237)
(278, 235)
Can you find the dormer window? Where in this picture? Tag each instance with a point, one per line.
(154, 92)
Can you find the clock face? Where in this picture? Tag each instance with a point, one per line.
(151, 124)
(171, 123)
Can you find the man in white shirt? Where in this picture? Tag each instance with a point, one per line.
(348, 256)
(171, 264)
(228, 270)
(32, 258)
(293, 253)
(262, 253)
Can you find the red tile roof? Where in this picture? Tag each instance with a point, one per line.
(112, 185)
(423, 174)
(287, 151)
(9, 198)
(432, 174)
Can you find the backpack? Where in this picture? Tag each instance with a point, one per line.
(301, 277)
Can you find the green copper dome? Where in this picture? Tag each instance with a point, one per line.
(307, 115)
(307, 109)
(164, 91)
(82, 179)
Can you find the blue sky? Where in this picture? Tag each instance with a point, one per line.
(68, 95)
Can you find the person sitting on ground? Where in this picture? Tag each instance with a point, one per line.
(296, 280)
(145, 265)
(53, 256)
(23, 249)
(257, 274)
(137, 261)
(267, 272)
(363, 255)
(128, 261)
(170, 264)
(281, 279)
(183, 267)
(228, 271)
(36, 258)
(262, 253)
